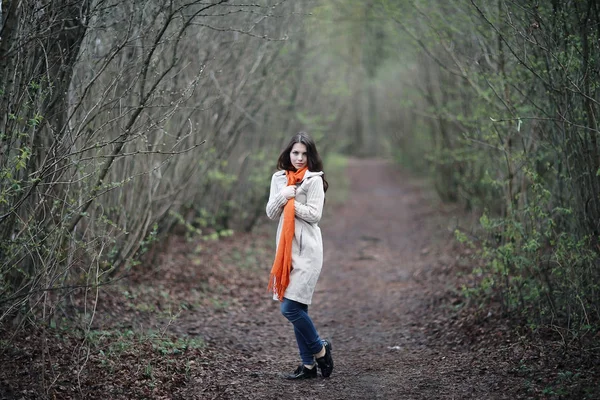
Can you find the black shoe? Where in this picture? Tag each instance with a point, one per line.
(326, 362)
(303, 373)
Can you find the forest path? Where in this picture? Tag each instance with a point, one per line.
(383, 247)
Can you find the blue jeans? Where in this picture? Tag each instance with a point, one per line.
(309, 342)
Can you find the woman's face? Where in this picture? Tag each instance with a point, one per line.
(298, 155)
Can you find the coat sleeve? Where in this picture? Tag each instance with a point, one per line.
(315, 197)
(276, 200)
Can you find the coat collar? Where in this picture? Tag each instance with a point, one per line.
(307, 174)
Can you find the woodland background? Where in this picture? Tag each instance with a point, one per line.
(122, 122)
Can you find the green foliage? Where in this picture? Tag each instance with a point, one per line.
(544, 273)
(488, 135)
(203, 222)
(190, 229)
(150, 238)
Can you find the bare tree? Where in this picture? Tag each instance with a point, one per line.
(117, 118)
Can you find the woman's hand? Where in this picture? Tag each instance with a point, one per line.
(289, 192)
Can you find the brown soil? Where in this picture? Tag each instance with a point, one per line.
(386, 298)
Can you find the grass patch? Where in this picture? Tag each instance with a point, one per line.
(248, 258)
(335, 171)
(115, 342)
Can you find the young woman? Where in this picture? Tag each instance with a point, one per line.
(296, 198)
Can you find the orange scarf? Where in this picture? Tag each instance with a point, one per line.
(282, 266)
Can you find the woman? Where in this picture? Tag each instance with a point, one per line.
(297, 196)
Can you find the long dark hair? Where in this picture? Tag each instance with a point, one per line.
(314, 161)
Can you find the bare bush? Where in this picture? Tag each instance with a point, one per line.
(122, 118)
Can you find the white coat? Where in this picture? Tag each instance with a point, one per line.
(307, 245)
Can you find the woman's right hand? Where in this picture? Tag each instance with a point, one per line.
(289, 192)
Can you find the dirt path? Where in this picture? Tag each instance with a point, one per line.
(195, 321)
(373, 300)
